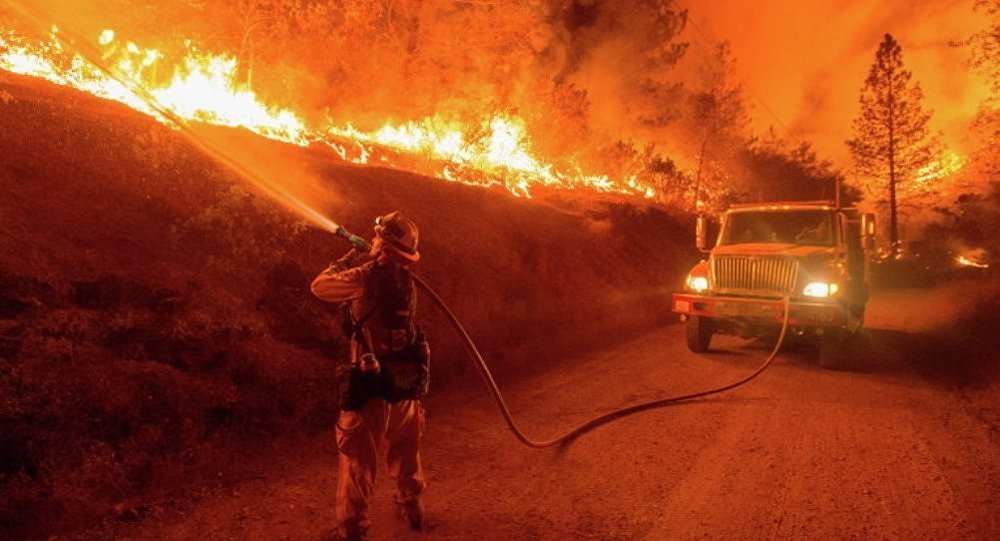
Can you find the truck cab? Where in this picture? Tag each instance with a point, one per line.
(814, 253)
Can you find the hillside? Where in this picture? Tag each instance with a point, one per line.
(155, 317)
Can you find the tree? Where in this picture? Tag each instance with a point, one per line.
(776, 169)
(974, 217)
(984, 47)
(891, 140)
(717, 106)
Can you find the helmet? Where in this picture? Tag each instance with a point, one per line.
(399, 235)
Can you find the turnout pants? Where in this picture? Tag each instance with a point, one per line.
(359, 435)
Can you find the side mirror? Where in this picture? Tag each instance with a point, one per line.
(701, 233)
(868, 231)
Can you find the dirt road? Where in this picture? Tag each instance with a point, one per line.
(882, 451)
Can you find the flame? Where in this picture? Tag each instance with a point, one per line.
(503, 151)
(204, 88)
(947, 166)
(966, 261)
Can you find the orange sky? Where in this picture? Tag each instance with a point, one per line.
(807, 60)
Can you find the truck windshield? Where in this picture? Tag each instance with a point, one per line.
(803, 227)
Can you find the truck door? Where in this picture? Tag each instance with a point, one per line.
(857, 288)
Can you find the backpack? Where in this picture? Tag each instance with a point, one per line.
(402, 350)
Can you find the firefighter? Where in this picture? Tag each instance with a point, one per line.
(383, 385)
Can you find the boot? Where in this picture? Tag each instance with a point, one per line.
(412, 512)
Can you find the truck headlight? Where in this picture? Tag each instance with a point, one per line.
(820, 289)
(698, 284)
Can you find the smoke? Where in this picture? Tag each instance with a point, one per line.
(583, 74)
(806, 61)
(620, 61)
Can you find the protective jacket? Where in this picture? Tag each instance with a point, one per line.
(383, 405)
(379, 321)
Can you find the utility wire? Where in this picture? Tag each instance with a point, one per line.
(708, 40)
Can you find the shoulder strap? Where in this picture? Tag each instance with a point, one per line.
(357, 327)
(392, 299)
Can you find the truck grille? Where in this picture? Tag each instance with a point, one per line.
(755, 274)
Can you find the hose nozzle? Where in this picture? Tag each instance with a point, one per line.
(356, 241)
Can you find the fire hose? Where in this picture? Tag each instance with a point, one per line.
(276, 192)
(484, 369)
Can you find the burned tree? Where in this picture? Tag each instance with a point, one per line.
(891, 142)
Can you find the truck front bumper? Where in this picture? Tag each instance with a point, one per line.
(762, 311)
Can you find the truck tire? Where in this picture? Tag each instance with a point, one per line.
(833, 348)
(699, 333)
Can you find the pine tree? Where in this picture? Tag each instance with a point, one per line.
(891, 142)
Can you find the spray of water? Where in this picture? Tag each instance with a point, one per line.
(274, 190)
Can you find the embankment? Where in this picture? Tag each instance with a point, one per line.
(155, 316)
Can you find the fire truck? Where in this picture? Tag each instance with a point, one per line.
(816, 253)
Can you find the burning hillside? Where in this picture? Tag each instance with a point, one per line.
(155, 315)
(156, 321)
(630, 98)
(203, 87)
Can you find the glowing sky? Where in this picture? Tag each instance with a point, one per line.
(807, 60)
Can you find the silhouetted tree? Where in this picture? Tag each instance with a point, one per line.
(891, 142)
(775, 169)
